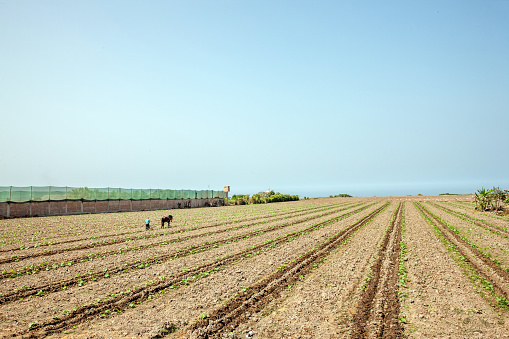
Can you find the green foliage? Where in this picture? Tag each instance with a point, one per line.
(261, 198)
(491, 199)
(342, 195)
(497, 198)
(482, 199)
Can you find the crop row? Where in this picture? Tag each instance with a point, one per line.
(255, 297)
(80, 279)
(34, 241)
(379, 308)
(122, 300)
(498, 230)
(144, 235)
(478, 266)
(45, 266)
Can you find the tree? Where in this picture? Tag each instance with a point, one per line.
(482, 199)
(497, 197)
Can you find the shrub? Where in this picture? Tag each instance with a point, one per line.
(262, 198)
(497, 198)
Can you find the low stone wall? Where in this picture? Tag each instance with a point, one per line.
(65, 207)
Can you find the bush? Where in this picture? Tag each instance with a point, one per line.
(491, 199)
(261, 198)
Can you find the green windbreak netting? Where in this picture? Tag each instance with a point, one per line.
(203, 194)
(40, 193)
(57, 193)
(154, 194)
(101, 193)
(178, 194)
(126, 193)
(20, 194)
(136, 194)
(145, 194)
(114, 193)
(5, 193)
(52, 193)
(171, 194)
(75, 193)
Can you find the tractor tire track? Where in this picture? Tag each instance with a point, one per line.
(238, 309)
(379, 308)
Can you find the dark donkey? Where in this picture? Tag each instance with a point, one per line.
(167, 219)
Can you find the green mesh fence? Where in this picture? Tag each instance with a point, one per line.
(114, 193)
(126, 193)
(5, 193)
(57, 193)
(46, 193)
(40, 193)
(21, 193)
(136, 194)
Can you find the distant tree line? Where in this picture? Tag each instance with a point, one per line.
(261, 198)
(343, 195)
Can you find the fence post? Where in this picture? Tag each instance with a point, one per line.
(49, 200)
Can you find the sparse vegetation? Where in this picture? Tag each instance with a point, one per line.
(234, 244)
(261, 198)
(490, 199)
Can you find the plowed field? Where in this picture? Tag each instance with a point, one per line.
(391, 267)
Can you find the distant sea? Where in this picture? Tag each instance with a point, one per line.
(376, 190)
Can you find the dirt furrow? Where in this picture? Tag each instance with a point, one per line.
(500, 221)
(114, 241)
(133, 238)
(122, 300)
(34, 269)
(378, 310)
(481, 223)
(497, 277)
(253, 299)
(84, 278)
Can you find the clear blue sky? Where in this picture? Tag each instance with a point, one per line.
(305, 97)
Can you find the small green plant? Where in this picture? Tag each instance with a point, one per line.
(204, 315)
